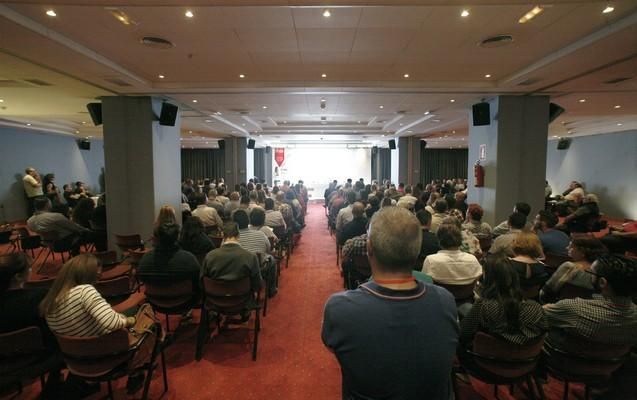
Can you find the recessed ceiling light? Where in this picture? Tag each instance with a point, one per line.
(464, 13)
(358, 122)
(78, 132)
(323, 100)
(265, 107)
(189, 131)
(487, 76)
(620, 124)
(242, 76)
(452, 100)
(555, 136)
(327, 13)
(28, 124)
(401, 124)
(617, 106)
(194, 100)
(582, 100)
(609, 9)
(323, 75)
(181, 138)
(410, 131)
(161, 76)
(382, 135)
(83, 122)
(285, 122)
(381, 107)
(243, 124)
(426, 112)
(189, 14)
(51, 13)
(208, 120)
(535, 11)
(1, 100)
(406, 76)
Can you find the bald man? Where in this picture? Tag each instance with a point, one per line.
(357, 226)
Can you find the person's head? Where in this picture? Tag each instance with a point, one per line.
(545, 220)
(166, 235)
(241, 218)
(449, 236)
(440, 206)
(199, 199)
(193, 227)
(257, 217)
(67, 188)
(220, 190)
(614, 275)
(517, 221)
(289, 195)
(591, 198)
(83, 269)
(245, 201)
(234, 196)
(15, 269)
(475, 212)
(386, 202)
(166, 216)
(408, 189)
(502, 284)
(83, 208)
(374, 202)
(451, 201)
(358, 210)
(394, 240)
(453, 220)
(523, 208)
(280, 197)
(50, 178)
(30, 171)
(253, 196)
(433, 197)
(212, 195)
(351, 197)
(42, 204)
(460, 196)
(424, 217)
(586, 249)
(527, 244)
(269, 204)
(230, 230)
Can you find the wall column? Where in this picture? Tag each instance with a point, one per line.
(142, 165)
(515, 156)
(409, 160)
(236, 162)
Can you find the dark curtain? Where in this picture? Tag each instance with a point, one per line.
(443, 164)
(259, 163)
(384, 164)
(202, 164)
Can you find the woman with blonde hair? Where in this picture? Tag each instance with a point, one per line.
(167, 215)
(527, 252)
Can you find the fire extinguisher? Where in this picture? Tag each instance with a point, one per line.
(478, 173)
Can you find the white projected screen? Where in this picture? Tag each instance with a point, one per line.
(317, 167)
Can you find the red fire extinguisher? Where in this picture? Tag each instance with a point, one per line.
(478, 173)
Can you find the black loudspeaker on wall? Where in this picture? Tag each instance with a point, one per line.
(168, 115)
(481, 114)
(423, 144)
(251, 144)
(268, 150)
(84, 144)
(392, 144)
(95, 109)
(222, 144)
(563, 144)
(374, 150)
(554, 111)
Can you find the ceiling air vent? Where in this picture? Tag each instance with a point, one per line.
(496, 41)
(616, 80)
(38, 82)
(156, 42)
(118, 82)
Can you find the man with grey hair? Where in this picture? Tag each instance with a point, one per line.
(388, 323)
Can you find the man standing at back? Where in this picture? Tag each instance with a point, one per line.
(394, 337)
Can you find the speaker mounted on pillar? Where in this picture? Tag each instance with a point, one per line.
(268, 149)
(554, 111)
(251, 144)
(222, 144)
(374, 150)
(481, 114)
(563, 143)
(392, 144)
(423, 144)
(95, 110)
(168, 115)
(84, 144)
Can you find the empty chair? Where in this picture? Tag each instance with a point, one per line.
(26, 241)
(51, 241)
(127, 243)
(227, 298)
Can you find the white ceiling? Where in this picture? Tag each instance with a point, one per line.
(570, 52)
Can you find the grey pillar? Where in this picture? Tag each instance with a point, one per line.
(409, 160)
(515, 148)
(268, 157)
(142, 165)
(235, 160)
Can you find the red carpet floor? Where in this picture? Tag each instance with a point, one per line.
(292, 362)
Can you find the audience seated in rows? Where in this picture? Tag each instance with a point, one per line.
(623, 238)
(470, 243)
(440, 208)
(273, 218)
(345, 214)
(208, 215)
(451, 265)
(583, 253)
(503, 243)
(504, 227)
(430, 244)
(474, 222)
(553, 240)
(527, 252)
(583, 218)
(194, 239)
(373, 366)
(357, 226)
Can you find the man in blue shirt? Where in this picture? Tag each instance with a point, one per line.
(553, 240)
(394, 337)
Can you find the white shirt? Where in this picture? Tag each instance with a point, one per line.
(32, 187)
(208, 216)
(436, 220)
(344, 216)
(452, 267)
(411, 200)
(274, 218)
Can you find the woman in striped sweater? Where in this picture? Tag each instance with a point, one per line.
(74, 308)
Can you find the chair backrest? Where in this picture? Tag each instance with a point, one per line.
(360, 264)
(506, 359)
(44, 283)
(570, 291)
(555, 260)
(216, 240)
(134, 255)
(227, 297)
(279, 231)
(49, 237)
(114, 289)
(22, 342)
(28, 241)
(166, 294)
(129, 242)
(530, 292)
(5, 236)
(107, 258)
(95, 355)
(462, 293)
(579, 356)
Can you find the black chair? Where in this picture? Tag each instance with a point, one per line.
(227, 298)
(570, 291)
(53, 242)
(462, 293)
(26, 241)
(170, 296)
(358, 271)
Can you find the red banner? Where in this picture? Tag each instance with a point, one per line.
(279, 155)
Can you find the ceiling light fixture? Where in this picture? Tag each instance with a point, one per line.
(51, 13)
(406, 76)
(452, 100)
(194, 100)
(242, 76)
(487, 76)
(582, 100)
(323, 75)
(265, 107)
(609, 9)
(620, 124)
(189, 14)
(381, 107)
(464, 13)
(426, 112)
(161, 76)
(617, 107)
(28, 124)
(121, 16)
(327, 13)
(531, 14)
(1, 100)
